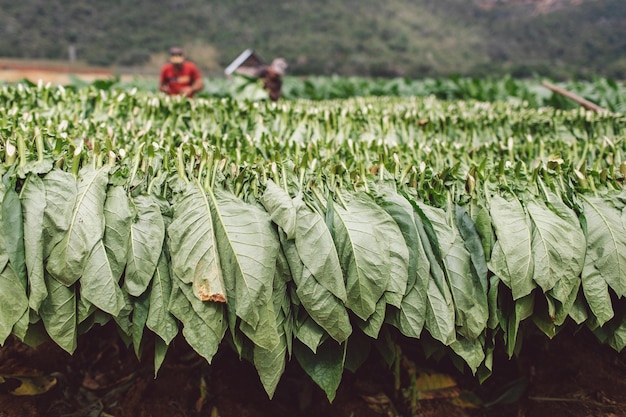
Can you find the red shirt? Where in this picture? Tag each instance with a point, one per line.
(176, 78)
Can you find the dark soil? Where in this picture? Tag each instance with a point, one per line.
(567, 376)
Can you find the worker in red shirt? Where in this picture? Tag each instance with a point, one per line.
(180, 77)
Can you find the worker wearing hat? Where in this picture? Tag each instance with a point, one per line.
(179, 76)
(272, 77)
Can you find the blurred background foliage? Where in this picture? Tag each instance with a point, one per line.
(407, 38)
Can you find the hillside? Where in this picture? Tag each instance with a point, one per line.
(415, 38)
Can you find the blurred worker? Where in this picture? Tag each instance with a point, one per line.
(272, 77)
(180, 76)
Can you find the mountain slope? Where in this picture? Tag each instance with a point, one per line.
(415, 38)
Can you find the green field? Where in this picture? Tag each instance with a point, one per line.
(464, 213)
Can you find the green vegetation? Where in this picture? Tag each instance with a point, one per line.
(605, 92)
(312, 230)
(366, 37)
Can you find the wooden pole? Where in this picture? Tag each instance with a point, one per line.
(583, 102)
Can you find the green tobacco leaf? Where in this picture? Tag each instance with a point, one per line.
(141, 306)
(399, 270)
(204, 324)
(85, 229)
(365, 259)
(270, 364)
(411, 315)
(322, 297)
(192, 245)
(374, 323)
(98, 283)
(13, 231)
(278, 204)
(440, 231)
(123, 318)
(310, 333)
(596, 292)
(317, 250)
(492, 299)
(282, 299)
(471, 239)
(387, 347)
(606, 242)
(324, 367)
(324, 307)
(13, 302)
(440, 315)
(523, 309)
(468, 293)
(567, 286)
(512, 258)
(160, 321)
(469, 297)
(471, 351)
(563, 308)
(544, 314)
(556, 246)
(147, 234)
(618, 339)
(266, 332)
(485, 231)
(160, 350)
(84, 309)
(485, 369)
(248, 249)
(357, 351)
(33, 196)
(4, 254)
(61, 192)
(21, 326)
(59, 314)
(117, 223)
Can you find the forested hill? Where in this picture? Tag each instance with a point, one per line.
(415, 38)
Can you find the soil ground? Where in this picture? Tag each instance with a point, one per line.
(567, 376)
(53, 72)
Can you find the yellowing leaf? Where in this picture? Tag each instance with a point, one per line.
(428, 385)
(26, 385)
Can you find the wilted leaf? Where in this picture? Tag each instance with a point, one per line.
(433, 385)
(22, 385)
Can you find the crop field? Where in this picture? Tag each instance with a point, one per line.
(305, 230)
